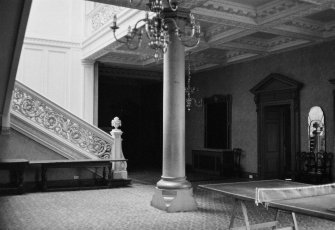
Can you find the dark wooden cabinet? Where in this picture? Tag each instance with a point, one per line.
(214, 161)
(16, 168)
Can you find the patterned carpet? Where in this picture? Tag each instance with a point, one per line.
(125, 208)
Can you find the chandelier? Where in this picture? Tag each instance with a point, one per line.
(157, 30)
(190, 90)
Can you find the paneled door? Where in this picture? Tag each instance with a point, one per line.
(276, 154)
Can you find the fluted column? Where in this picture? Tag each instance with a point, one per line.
(173, 192)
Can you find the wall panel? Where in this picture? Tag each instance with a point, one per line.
(58, 74)
(75, 81)
(32, 68)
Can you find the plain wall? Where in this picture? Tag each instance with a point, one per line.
(312, 66)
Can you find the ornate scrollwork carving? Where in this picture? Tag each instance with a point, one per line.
(44, 115)
(103, 15)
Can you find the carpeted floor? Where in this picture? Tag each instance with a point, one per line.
(126, 208)
(152, 176)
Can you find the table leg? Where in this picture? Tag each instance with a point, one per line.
(232, 218)
(37, 178)
(20, 181)
(295, 221)
(109, 175)
(44, 178)
(13, 177)
(95, 176)
(245, 215)
(104, 173)
(276, 218)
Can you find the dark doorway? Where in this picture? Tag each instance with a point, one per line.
(277, 141)
(138, 104)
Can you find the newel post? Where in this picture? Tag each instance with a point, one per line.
(120, 168)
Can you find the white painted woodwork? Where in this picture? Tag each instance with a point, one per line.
(88, 79)
(54, 70)
(120, 168)
(51, 56)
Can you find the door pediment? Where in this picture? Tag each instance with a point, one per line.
(275, 82)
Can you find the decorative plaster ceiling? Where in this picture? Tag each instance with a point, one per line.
(239, 30)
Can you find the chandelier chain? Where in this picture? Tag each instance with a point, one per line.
(190, 90)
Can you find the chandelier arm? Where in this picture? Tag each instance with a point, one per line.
(133, 48)
(119, 40)
(138, 43)
(173, 7)
(195, 33)
(193, 45)
(177, 28)
(192, 34)
(128, 40)
(148, 34)
(143, 19)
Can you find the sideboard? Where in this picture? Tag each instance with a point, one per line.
(213, 161)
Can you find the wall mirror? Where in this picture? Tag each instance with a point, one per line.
(217, 122)
(316, 130)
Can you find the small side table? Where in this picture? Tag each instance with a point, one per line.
(16, 168)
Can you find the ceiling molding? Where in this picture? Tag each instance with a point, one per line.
(233, 31)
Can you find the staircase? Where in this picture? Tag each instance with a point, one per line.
(64, 133)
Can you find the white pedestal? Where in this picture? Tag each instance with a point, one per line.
(120, 175)
(174, 200)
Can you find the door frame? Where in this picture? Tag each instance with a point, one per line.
(276, 90)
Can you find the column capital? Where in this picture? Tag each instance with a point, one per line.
(87, 62)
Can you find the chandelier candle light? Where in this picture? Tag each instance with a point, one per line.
(156, 29)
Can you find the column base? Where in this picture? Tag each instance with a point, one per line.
(120, 175)
(174, 200)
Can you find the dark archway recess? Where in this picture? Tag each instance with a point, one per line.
(136, 98)
(272, 94)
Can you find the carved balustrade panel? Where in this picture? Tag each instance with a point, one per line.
(73, 131)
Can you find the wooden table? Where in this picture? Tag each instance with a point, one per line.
(213, 161)
(44, 165)
(16, 168)
(321, 206)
